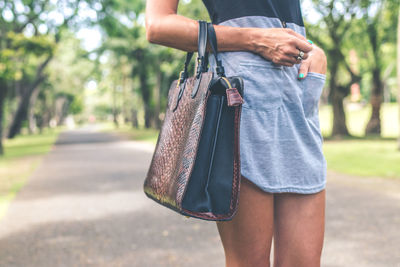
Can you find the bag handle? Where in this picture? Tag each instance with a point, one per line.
(212, 38)
(202, 58)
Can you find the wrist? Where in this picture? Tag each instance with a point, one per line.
(253, 37)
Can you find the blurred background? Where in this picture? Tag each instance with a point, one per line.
(72, 65)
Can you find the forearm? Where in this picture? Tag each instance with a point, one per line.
(180, 32)
(165, 27)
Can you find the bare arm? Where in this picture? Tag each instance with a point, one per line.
(165, 27)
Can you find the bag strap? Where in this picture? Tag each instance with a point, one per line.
(212, 38)
(202, 57)
(185, 73)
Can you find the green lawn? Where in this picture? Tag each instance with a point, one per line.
(22, 155)
(364, 157)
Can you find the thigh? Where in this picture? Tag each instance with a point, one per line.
(299, 223)
(247, 237)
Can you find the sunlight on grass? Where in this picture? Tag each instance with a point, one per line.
(22, 156)
(28, 145)
(364, 157)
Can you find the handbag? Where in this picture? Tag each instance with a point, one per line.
(195, 168)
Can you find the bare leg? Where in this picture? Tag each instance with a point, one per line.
(247, 238)
(299, 229)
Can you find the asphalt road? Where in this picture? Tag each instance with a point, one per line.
(84, 206)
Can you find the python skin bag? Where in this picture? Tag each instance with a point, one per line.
(195, 169)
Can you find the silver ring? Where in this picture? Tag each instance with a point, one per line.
(299, 58)
(301, 54)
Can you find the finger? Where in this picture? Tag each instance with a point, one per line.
(289, 59)
(286, 64)
(298, 61)
(303, 45)
(303, 70)
(298, 35)
(294, 52)
(284, 61)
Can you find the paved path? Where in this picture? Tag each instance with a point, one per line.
(85, 207)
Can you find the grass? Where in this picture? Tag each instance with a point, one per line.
(22, 156)
(364, 157)
(360, 155)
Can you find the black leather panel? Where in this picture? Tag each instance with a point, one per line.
(196, 196)
(214, 162)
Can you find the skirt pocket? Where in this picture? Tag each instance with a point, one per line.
(312, 86)
(263, 85)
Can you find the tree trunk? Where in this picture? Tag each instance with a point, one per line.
(336, 96)
(61, 109)
(135, 122)
(147, 117)
(146, 97)
(115, 109)
(157, 98)
(374, 124)
(22, 110)
(32, 125)
(398, 73)
(339, 127)
(145, 89)
(45, 120)
(3, 91)
(20, 115)
(126, 99)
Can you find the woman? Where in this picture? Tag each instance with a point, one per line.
(284, 171)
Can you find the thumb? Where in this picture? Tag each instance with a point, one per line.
(303, 70)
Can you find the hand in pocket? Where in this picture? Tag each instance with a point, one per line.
(316, 62)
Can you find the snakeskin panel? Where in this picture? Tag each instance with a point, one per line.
(177, 143)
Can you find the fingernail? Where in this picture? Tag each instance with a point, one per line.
(301, 76)
(311, 42)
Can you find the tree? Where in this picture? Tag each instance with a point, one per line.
(331, 35)
(379, 27)
(398, 71)
(3, 92)
(31, 22)
(153, 66)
